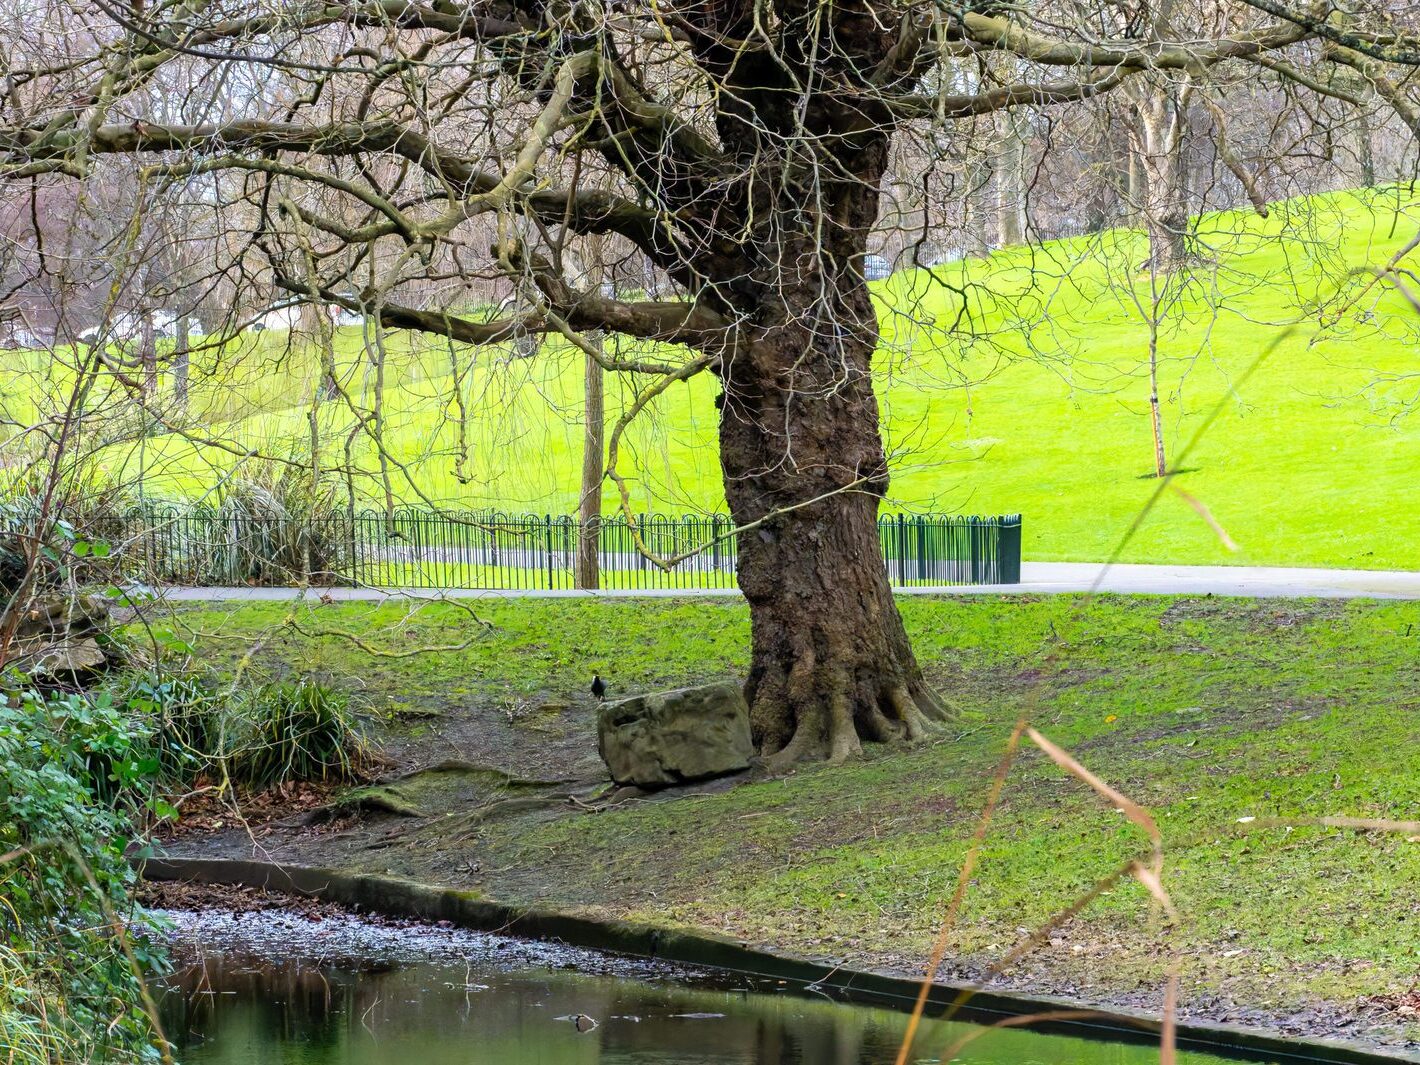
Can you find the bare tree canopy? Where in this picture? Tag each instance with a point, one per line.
(385, 156)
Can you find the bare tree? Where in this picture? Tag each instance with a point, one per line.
(392, 154)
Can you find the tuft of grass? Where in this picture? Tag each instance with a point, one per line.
(32, 1016)
(294, 731)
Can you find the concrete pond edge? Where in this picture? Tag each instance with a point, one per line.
(397, 897)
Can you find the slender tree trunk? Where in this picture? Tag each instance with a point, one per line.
(804, 465)
(1010, 164)
(587, 571)
(148, 355)
(1160, 459)
(182, 362)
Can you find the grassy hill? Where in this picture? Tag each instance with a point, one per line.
(1016, 382)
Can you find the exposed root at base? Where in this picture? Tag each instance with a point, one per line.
(832, 721)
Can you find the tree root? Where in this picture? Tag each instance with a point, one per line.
(834, 715)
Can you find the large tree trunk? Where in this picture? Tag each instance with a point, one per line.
(1010, 166)
(1156, 137)
(803, 463)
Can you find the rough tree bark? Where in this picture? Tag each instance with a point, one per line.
(804, 464)
(832, 665)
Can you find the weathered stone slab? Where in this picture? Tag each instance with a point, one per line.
(666, 738)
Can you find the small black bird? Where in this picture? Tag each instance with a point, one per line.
(598, 687)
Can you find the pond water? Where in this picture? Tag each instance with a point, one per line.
(272, 987)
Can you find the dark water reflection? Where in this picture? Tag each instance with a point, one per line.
(489, 1000)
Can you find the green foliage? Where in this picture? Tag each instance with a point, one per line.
(181, 712)
(70, 770)
(294, 730)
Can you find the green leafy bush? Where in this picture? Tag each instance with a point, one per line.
(183, 713)
(72, 772)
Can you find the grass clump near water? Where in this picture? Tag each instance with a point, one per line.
(256, 735)
(294, 731)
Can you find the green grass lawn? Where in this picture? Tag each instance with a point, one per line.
(1013, 383)
(1212, 712)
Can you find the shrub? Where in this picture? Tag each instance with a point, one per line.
(194, 723)
(182, 712)
(72, 985)
(294, 730)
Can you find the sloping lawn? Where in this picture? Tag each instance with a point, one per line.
(1016, 383)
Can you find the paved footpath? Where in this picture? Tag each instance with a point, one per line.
(1036, 578)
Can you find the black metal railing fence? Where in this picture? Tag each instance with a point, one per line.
(416, 548)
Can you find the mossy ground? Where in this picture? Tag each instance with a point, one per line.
(1208, 711)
